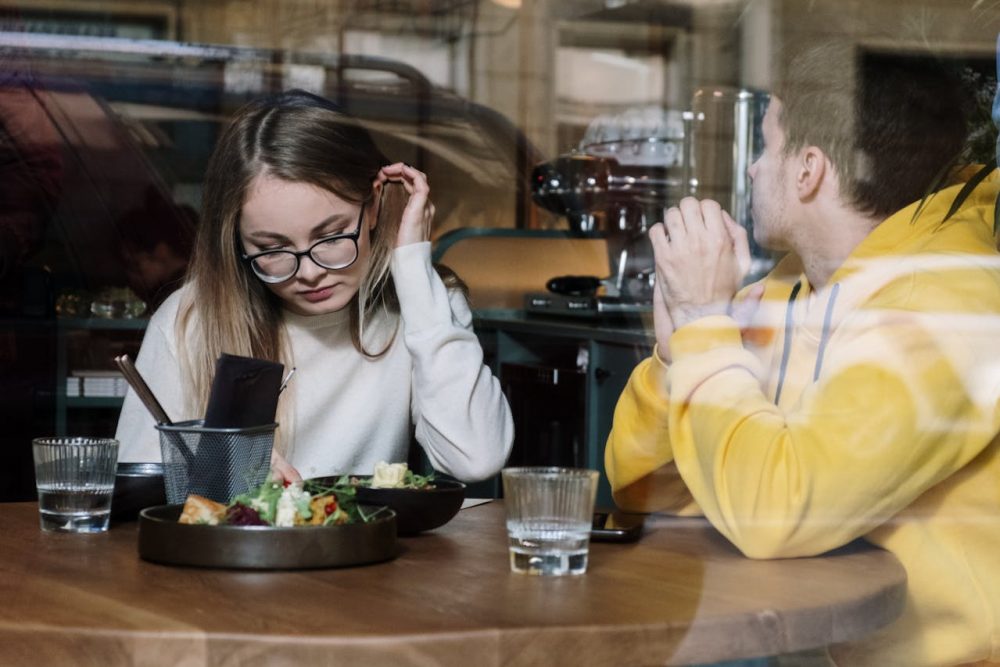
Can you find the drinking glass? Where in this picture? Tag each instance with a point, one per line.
(549, 515)
(75, 478)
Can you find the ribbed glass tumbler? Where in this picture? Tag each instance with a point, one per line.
(549, 515)
(75, 478)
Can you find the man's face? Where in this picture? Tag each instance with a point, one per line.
(769, 193)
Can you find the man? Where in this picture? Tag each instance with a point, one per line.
(859, 398)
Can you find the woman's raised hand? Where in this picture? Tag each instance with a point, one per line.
(415, 226)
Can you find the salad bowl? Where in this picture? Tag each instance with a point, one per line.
(137, 486)
(417, 509)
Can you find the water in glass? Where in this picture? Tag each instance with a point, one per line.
(79, 508)
(548, 546)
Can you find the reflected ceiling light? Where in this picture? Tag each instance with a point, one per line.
(509, 4)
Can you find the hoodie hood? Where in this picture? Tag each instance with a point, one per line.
(921, 229)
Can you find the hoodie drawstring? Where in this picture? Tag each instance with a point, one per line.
(788, 340)
(825, 337)
(790, 328)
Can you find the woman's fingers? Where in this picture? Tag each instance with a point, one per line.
(412, 179)
(282, 470)
(418, 213)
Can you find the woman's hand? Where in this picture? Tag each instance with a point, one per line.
(281, 470)
(415, 225)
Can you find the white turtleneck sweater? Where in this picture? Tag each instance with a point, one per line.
(349, 411)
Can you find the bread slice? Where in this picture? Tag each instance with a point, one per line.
(199, 509)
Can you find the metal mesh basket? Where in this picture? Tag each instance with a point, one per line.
(218, 463)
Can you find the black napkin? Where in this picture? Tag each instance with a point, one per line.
(244, 392)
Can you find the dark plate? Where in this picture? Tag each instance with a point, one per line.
(417, 510)
(137, 486)
(163, 540)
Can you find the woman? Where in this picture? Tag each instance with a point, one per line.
(313, 251)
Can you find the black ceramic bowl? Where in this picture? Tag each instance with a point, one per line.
(417, 510)
(137, 486)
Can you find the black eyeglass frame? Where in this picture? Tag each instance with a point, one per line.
(299, 254)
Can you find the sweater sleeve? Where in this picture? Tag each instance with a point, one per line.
(462, 418)
(894, 413)
(638, 458)
(157, 363)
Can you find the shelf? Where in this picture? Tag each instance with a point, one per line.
(94, 401)
(69, 329)
(101, 323)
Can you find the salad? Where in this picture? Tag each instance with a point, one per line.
(309, 503)
(395, 476)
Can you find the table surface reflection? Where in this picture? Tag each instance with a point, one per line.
(680, 595)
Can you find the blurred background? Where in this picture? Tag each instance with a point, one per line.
(553, 133)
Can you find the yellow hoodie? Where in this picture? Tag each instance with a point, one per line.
(867, 408)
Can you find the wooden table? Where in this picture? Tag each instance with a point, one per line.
(680, 595)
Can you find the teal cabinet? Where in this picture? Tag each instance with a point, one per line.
(593, 357)
(90, 345)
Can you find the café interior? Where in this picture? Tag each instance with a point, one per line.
(554, 133)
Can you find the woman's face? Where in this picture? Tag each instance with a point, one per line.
(285, 215)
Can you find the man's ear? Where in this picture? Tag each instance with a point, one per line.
(812, 170)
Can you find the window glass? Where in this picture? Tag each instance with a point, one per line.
(556, 130)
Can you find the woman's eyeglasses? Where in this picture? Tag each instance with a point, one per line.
(333, 252)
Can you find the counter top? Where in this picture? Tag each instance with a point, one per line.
(634, 330)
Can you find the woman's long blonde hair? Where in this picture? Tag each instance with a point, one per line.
(298, 137)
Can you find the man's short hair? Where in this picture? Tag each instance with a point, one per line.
(890, 125)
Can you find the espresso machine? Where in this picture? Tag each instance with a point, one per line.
(622, 176)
